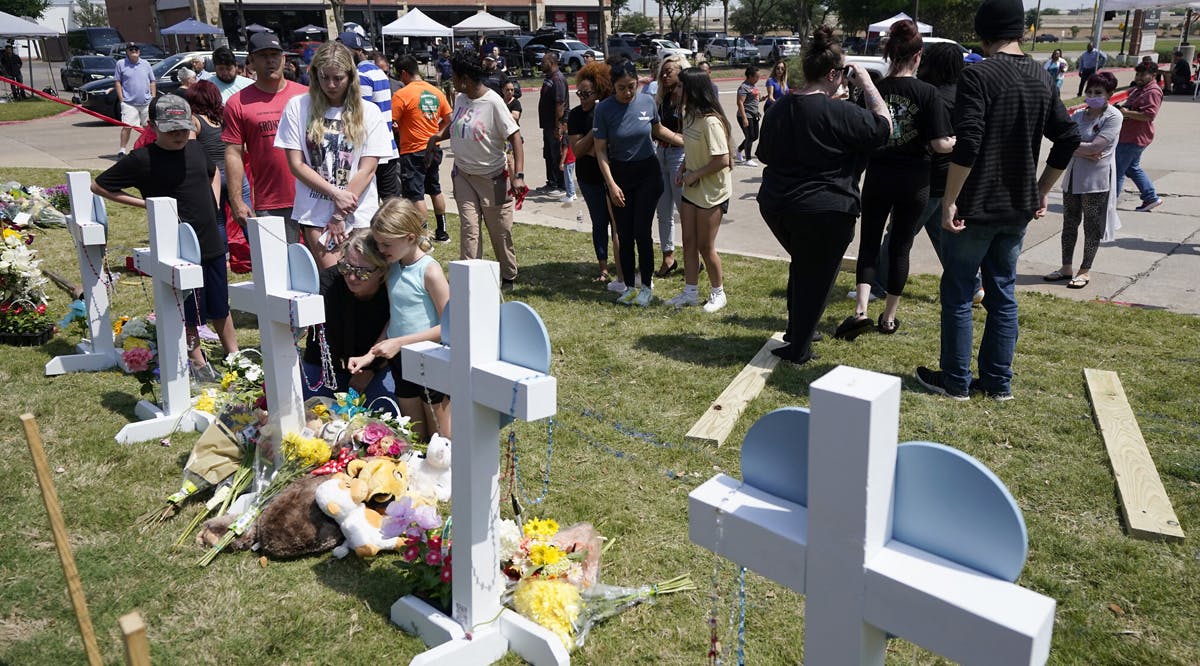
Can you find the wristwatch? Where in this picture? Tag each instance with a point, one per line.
(520, 174)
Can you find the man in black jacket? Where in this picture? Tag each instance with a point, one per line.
(1004, 106)
(10, 66)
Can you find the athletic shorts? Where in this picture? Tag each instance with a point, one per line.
(212, 300)
(407, 389)
(416, 180)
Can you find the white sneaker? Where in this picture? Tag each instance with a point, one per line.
(715, 302)
(644, 296)
(739, 158)
(627, 297)
(567, 198)
(751, 163)
(617, 286)
(685, 299)
(121, 152)
(557, 193)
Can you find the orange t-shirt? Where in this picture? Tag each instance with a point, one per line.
(417, 110)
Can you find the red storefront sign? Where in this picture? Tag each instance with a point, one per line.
(581, 28)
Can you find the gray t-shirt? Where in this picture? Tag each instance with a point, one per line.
(749, 93)
(627, 127)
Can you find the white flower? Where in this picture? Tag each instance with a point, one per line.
(253, 374)
(509, 536)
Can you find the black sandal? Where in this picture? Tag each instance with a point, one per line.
(852, 327)
(887, 328)
(664, 272)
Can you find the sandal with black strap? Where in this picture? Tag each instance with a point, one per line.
(603, 278)
(667, 270)
(887, 327)
(853, 326)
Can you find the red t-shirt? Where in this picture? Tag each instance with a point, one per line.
(1146, 99)
(251, 118)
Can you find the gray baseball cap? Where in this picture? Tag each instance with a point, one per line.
(171, 113)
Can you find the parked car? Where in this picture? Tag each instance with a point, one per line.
(703, 38)
(628, 47)
(93, 41)
(100, 97)
(79, 70)
(510, 49)
(1046, 37)
(570, 51)
(660, 49)
(855, 45)
(151, 53)
(731, 49)
(771, 49)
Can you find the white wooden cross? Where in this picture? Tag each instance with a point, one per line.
(835, 516)
(484, 388)
(173, 262)
(97, 352)
(285, 296)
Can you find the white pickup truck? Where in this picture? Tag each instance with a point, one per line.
(879, 65)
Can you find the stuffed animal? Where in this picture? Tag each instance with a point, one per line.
(341, 498)
(386, 479)
(290, 526)
(429, 477)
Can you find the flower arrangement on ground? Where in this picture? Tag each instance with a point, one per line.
(554, 574)
(425, 554)
(137, 338)
(32, 201)
(22, 294)
(59, 196)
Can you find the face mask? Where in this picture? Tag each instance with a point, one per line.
(1095, 102)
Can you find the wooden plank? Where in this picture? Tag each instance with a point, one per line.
(1144, 501)
(137, 647)
(59, 528)
(716, 423)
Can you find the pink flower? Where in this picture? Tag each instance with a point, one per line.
(138, 359)
(374, 432)
(433, 557)
(411, 553)
(435, 543)
(444, 574)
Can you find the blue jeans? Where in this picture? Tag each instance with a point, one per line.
(381, 385)
(1129, 163)
(669, 160)
(569, 178)
(931, 222)
(596, 199)
(992, 250)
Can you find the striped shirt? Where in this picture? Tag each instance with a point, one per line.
(377, 89)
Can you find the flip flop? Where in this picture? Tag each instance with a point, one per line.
(1078, 282)
(852, 327)
(664, 272)
(1056, 276)
(886, 328)
(602, 278)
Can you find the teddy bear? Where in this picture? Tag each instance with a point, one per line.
(386, 479)
(291, 525)
(341, 498)
(429, 476)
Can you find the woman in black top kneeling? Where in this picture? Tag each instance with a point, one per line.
(356, 312)
(809, 195)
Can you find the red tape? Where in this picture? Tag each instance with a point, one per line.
(59, 100)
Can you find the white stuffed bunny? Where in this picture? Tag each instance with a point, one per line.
(429, 477)
(341, 498)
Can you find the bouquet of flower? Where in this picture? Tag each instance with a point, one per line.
(137, 339)
(22, 293)
(301, 455)
(555, 575)
(426, 550)
(59, 196)
(15, 200)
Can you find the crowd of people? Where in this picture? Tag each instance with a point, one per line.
(349, 160)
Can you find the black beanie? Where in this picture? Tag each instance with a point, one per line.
(1000, 19)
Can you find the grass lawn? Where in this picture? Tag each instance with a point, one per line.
(631, 382)
(29, 109)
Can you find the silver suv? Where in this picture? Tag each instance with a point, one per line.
(771, 49)
(731, 49)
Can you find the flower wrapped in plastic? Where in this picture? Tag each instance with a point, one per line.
(425, 556)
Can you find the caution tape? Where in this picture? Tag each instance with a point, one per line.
(59, 100)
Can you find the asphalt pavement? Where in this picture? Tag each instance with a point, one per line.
(1153, 262)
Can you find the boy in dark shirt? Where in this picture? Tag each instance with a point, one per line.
(177, 167)
(1004, 107)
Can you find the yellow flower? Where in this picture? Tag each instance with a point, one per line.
(205, 403)
(119, 324)
(540, 528)
(554, 604)
(228, 379)
(542, 554)
(11, 233)
(308, 451)
(320, 411)
(131, 343)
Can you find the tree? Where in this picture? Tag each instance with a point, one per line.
(1032, 18)
(755, 17)
(1074, 31)
(855, 15)
(952, 19)
(26, 8)
(90, 14)
(1050, 11)
(679, 12)
(636, 22)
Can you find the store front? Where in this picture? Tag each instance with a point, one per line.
(576, 22)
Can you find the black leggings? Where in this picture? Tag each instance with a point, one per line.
(1093, 208)
(750, 132)
(642, 184)
(884, 193)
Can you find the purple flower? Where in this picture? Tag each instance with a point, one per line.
(403, 519)
(374, 432)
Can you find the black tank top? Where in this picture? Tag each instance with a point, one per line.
(210, 139)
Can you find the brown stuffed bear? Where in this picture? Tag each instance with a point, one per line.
(292, 525)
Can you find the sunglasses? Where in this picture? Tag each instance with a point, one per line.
(584, 93)
(359, 272)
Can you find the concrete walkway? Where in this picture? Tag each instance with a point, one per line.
(1154, 262)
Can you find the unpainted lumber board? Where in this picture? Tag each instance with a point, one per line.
(1144, 502)
(133, 632)
(717, 422)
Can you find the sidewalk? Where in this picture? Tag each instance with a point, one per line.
(1154, 262)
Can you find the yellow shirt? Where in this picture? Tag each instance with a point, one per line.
(702, 140)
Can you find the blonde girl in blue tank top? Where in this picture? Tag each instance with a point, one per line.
(417, 294)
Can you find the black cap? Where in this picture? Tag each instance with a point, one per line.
(264, 41)
(133, 46)
(223, 55)
(1000, 19)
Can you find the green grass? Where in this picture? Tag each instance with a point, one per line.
(29, 109)
(653, 371)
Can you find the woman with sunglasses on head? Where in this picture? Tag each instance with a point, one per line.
(897, 179)
(356, 313)
(592, 84)
(809, 194)
(777, 84)
(626, 125)
(670, 159)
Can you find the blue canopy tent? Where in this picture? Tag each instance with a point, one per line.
(191, 26)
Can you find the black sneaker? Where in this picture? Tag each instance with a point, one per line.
(507, 285)
(441, 236)
(998, 396)
(935, 382)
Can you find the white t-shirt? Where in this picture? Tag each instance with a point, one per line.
(336, 159)
(479, 130)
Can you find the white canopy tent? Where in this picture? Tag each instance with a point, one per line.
(15, 27)
(886, 24)
(416, 23)
(484, 22)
